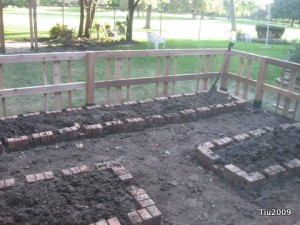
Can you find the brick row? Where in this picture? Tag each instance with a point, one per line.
(73, 109)
(15, 143)
(110, 221)
(31, 178)
(135, 123)
(68, 133)
(94, 130)
(123, 174)
(293, 166)
(273, 172)
(203, 112)
(146, 101)
(257, 133)
(130, 103)
(31, 114)
(91, 107)
(74, 170)
(155, 120)
(52, 112)
(206, 157)
(145, 216)
(189, 94)
(160, 99)
(240, 137)
(8, 117)
(7, 183)
(174, 96)
(188, 114)
(223, 142)
(114, 126)
(172, 117)
(43, 138)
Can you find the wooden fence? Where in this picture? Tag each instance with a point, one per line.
(117, 78)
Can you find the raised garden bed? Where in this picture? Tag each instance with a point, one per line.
(78, 195)
(251, 159)
(21, 131)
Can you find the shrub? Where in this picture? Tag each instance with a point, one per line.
(63, 34)
(294, 52)
(121, 27)
(275, 32)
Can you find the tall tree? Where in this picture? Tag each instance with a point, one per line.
(286, 9)
(132, 4)
(232, 15)
(87, 12)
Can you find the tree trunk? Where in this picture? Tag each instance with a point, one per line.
(88, 18)
(132, 4)
(232, 16)
(148, 17)
(81, 21)
(292, 23)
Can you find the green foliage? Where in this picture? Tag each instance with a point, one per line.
(294, 52)
(63, 34)
(275, 32)
(286, 9)
(18, 3)
(121, 27)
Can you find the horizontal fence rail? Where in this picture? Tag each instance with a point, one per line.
(68, 79)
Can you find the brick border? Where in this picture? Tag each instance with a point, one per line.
(9, 144)
(146, 213)
(207, 157)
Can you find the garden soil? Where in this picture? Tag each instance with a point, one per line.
(162, 160)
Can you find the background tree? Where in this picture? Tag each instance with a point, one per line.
(132, 4)
(286, 9)
(87, 13)
(232, 15)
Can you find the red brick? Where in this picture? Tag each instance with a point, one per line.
(75, 132)
(126, 178)
(241, 137)
(133, 190)
(146, 203)
(206, 156)
(11, 143)
(146, 216)
(39, 176)
(145, 101)
(50, 136)
(115, 126)
(141, 197)
(49, 175)
(174, 96)
(188, 114)
(101, 222)
(273, 172)
(113, 221)
(203, 112)
(30, 178)
(230, 172)
(121, 172)
(130, 103)
(66, 172)
(286, 126)
(2, 184)
(69, 133)
(259, 179)
(62, 134)
(189, 94)
(44, 138)
(9, 182)
(293, 166)
(160, 99)
(18, 142)
(257, 133)
(97, 131)
(84, 168)
(87, 130)
(25, 140)
(155, 213)
(135, 218)
(101, 166)
(172, 117)
(75, 170)
(208, 144)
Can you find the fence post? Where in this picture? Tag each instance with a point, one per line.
(225, 69)
(259, 92)
(90, 78)
(118, 74)
(166, 73)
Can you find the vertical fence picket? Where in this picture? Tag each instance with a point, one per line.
(45, 79)
(108, 73)
(128, 77)
(118, 75)
(90, 78)
(205, 80)
(240, 74)
(57, 80)
(174, 73)
(2, 87)
(263, 68)
(158, 59)
(295, 113)
(69, 80)
(287, 101)
(166, 73)
(278, 95)
(248, 76)
(199, 71)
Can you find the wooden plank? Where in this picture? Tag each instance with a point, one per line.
(246, 55)
(295, 113)
(278, 95)
(174, 73)
(263, 68)
(199, 71)
(207, 63)
(128, 77)
(236, 78)
(40, 57)
(90, 78)
(158, 59)
(118, 74)
(31, 23)
(35, 30)
(282, 92)
(57, 80)
(155, 53)
(281, 63)
(108, 73)
(248, 75)
(225, 69)
(1, 87)
(45, 79)
(290, 88)
(240, 73)
(166, 73)
(55, 88)
(149, 80)
(69, 80)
